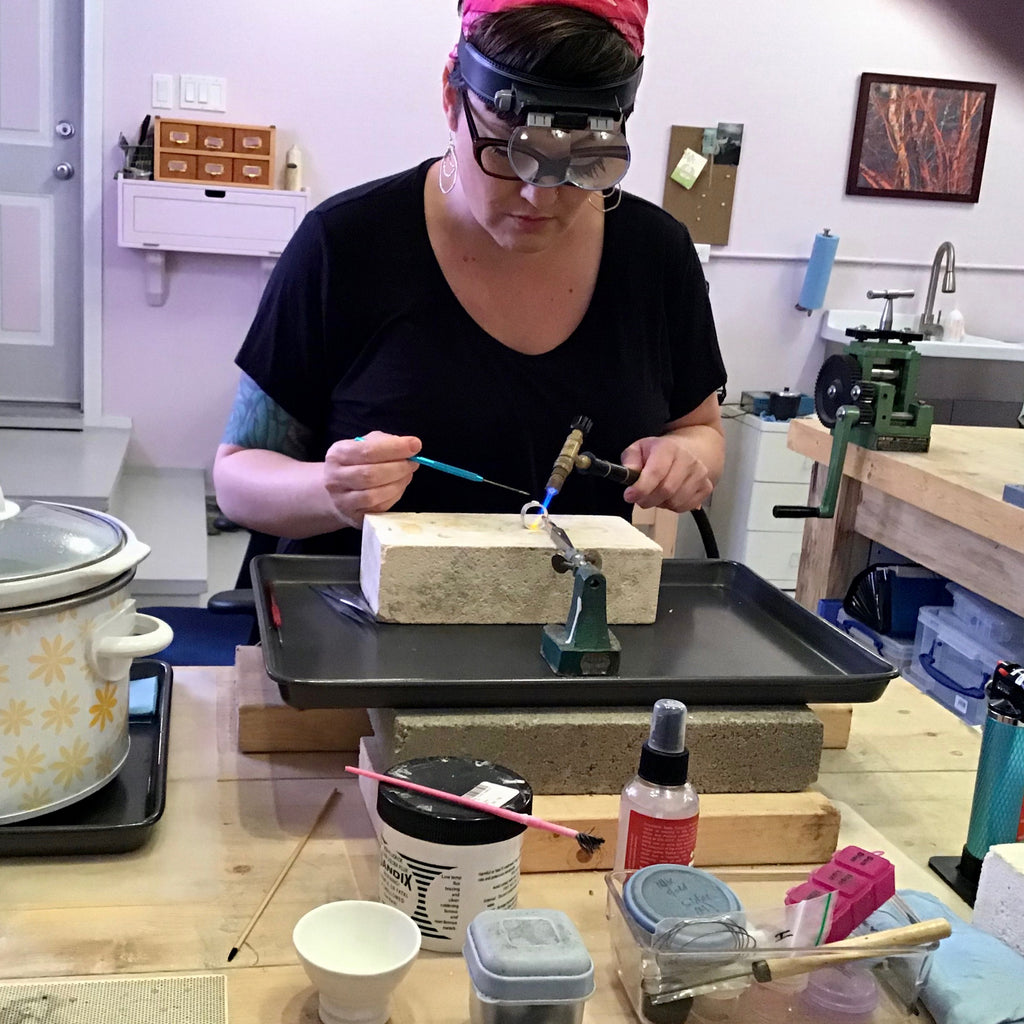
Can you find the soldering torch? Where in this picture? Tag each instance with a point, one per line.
(566, 460)
(570, 458)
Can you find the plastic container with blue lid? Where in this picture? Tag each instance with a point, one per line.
(662, 894)
(527, 965)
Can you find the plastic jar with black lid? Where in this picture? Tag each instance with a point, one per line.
(442, 863)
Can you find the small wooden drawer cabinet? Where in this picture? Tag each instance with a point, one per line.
(200, 151)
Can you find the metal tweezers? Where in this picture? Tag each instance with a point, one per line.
(347, 600)
(573, 557)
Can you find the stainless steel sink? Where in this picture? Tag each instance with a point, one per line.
(971, 346)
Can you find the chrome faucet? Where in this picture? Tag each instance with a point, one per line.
(929, 324)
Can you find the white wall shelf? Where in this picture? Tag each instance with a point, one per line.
(160, 217)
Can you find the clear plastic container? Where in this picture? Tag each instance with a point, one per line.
(644, 969)
(899, 653)
(953, 660)
(986, 617)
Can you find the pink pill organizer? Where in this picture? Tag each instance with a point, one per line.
(861, 882)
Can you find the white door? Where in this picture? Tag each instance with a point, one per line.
(40, 208)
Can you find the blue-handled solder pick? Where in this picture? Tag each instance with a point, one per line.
(465, 474)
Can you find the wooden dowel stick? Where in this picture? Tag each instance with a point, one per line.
(280, 877)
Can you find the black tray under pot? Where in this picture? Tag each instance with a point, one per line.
(723, 635)
(120, 816)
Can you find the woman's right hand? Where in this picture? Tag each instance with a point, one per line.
(369, 475)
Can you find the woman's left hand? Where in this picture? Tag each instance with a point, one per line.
(671, 475)
(679, 468)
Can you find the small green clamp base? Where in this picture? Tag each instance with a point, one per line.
(584, 646)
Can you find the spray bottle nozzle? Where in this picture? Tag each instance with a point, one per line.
(668, 727)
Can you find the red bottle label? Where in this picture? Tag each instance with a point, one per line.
(659, 840)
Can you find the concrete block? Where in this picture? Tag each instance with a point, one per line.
(465, 568)
(571, 750)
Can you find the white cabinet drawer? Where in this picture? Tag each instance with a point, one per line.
(778, 463)
(774, 556)
(765, 496)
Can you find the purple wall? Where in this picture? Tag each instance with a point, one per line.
(361, 95)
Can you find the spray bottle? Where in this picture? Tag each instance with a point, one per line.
(658, 810)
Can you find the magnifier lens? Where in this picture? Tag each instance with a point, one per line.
(540, 155)
(549, 157)
(599, 159)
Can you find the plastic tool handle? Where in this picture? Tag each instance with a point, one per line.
(858, 948)
(445, 468)
(795, 512)
(587, 462)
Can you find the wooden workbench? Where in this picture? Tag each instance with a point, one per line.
(942, 508)
(177, 905)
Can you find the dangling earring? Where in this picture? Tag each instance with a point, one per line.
(449, 169)
(614, 192)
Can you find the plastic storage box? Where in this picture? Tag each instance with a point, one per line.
(643, 967)
(899, 653)
(986, 617)
(527, 965)
(954, 657)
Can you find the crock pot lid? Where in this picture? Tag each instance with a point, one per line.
(45, 538)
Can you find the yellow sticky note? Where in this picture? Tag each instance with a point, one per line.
(687, 171)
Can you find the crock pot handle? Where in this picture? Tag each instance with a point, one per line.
(111, 655)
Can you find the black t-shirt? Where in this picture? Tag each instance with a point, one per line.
(359, 331)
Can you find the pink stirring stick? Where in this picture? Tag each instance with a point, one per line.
(589, 843)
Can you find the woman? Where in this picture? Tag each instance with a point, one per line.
(474, 306)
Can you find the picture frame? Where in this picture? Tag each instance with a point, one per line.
(919, 138)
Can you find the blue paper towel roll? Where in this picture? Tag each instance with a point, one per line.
(819, 269)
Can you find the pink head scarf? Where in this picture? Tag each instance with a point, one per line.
(628, 16)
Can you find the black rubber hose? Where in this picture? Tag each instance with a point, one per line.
(707, 535)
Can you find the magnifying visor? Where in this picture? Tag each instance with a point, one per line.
(547, 156)
(572, 134)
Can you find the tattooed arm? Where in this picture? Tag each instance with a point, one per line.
(265, 480)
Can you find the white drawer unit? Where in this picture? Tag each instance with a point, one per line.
(162, 216)
(760, 472)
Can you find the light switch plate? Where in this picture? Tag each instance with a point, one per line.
(163, 92)
(703, 251)
(202, 92)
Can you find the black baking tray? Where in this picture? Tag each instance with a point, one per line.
(723, 635)
(120, 816)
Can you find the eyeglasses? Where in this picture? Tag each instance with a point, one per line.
(548, 157)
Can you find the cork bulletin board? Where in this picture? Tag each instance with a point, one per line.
(706, 208)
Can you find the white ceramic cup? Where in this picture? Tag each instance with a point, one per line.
(355, 953)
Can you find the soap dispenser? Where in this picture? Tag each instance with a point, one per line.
(658, 810)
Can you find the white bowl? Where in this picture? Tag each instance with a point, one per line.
(356, 952)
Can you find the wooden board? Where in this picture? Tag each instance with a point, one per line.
(837, 720)
(961, 476)
(735, 828)
(267, 725)
(943, 508)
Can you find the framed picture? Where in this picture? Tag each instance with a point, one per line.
(919, 138)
